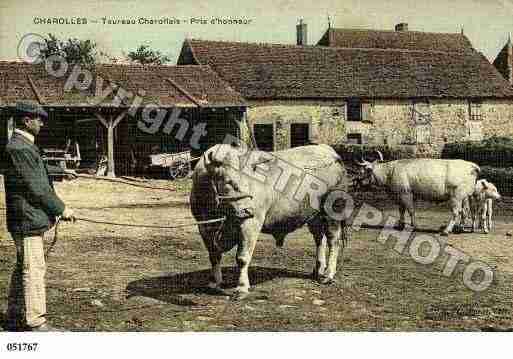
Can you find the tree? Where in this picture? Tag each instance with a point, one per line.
(75, 51)
(146, 56)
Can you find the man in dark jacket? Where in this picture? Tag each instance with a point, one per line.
(32, 210)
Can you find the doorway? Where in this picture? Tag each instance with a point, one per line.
(264, 136)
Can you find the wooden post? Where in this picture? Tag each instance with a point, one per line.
(110, 123)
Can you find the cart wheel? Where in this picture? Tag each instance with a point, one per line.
(179, 169)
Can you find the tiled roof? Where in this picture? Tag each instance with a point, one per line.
(162, 85)
(405, 40)
(261, 71)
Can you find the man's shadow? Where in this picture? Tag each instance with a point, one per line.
(170, 288)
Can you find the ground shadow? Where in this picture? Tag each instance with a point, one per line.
(418, 229)
(170, 288)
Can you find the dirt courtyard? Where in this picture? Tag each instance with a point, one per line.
(107, 278)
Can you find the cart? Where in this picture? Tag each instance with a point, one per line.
(177, 165)
(61, 158)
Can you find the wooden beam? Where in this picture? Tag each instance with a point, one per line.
(185, 92)
(110, 150)
(109, 125)
(39, 97)
(102, 119)
(120, 117)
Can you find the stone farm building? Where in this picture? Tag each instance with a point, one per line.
(109, 126)
(363, 86)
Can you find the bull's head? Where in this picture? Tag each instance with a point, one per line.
(367, 174)
(223, 163)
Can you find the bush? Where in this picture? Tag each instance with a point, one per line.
(351, 152)
(494, 151)
(501, 177)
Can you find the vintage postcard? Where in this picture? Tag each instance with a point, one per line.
(255, 166)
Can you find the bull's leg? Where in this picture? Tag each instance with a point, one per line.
(215, 255)
(455, 204)
(465, 212)
(490, 213)
(320, 242)
(402, 216)
(408, 202)
(250, 229)
(334, 236)
(484, 217)
(474, 209)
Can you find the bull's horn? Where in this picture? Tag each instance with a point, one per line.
(380, 155)
(208, 158)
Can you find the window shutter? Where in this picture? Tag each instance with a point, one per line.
(367, 113)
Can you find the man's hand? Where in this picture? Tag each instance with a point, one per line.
(68, 215)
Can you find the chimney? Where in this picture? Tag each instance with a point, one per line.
(403, 26)
(301, 33)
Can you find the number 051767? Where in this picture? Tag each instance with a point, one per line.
(22, 347)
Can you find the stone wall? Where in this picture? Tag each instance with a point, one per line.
(390, 122)
(326, 119)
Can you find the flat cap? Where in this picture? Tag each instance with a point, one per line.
(31, 108)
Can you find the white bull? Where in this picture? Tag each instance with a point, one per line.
(432, 180)
(265, 192)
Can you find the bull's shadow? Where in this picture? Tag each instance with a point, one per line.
(170, 288)
(417, 230)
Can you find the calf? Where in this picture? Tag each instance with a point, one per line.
(481, 202)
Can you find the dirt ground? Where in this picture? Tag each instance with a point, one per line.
(105, 278)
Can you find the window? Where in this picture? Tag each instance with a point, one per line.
(421, 112)
(354, 110)
(359, 111)
(423, 133)
(354, 138)
(421, 118)
(475, 121)
(475, 111)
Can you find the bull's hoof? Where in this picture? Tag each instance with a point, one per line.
(326, 280)
(238, 296)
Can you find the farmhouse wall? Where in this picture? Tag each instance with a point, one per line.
(390, 122)
(326, 119)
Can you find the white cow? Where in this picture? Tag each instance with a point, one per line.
(481, 203)
(432, 180)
